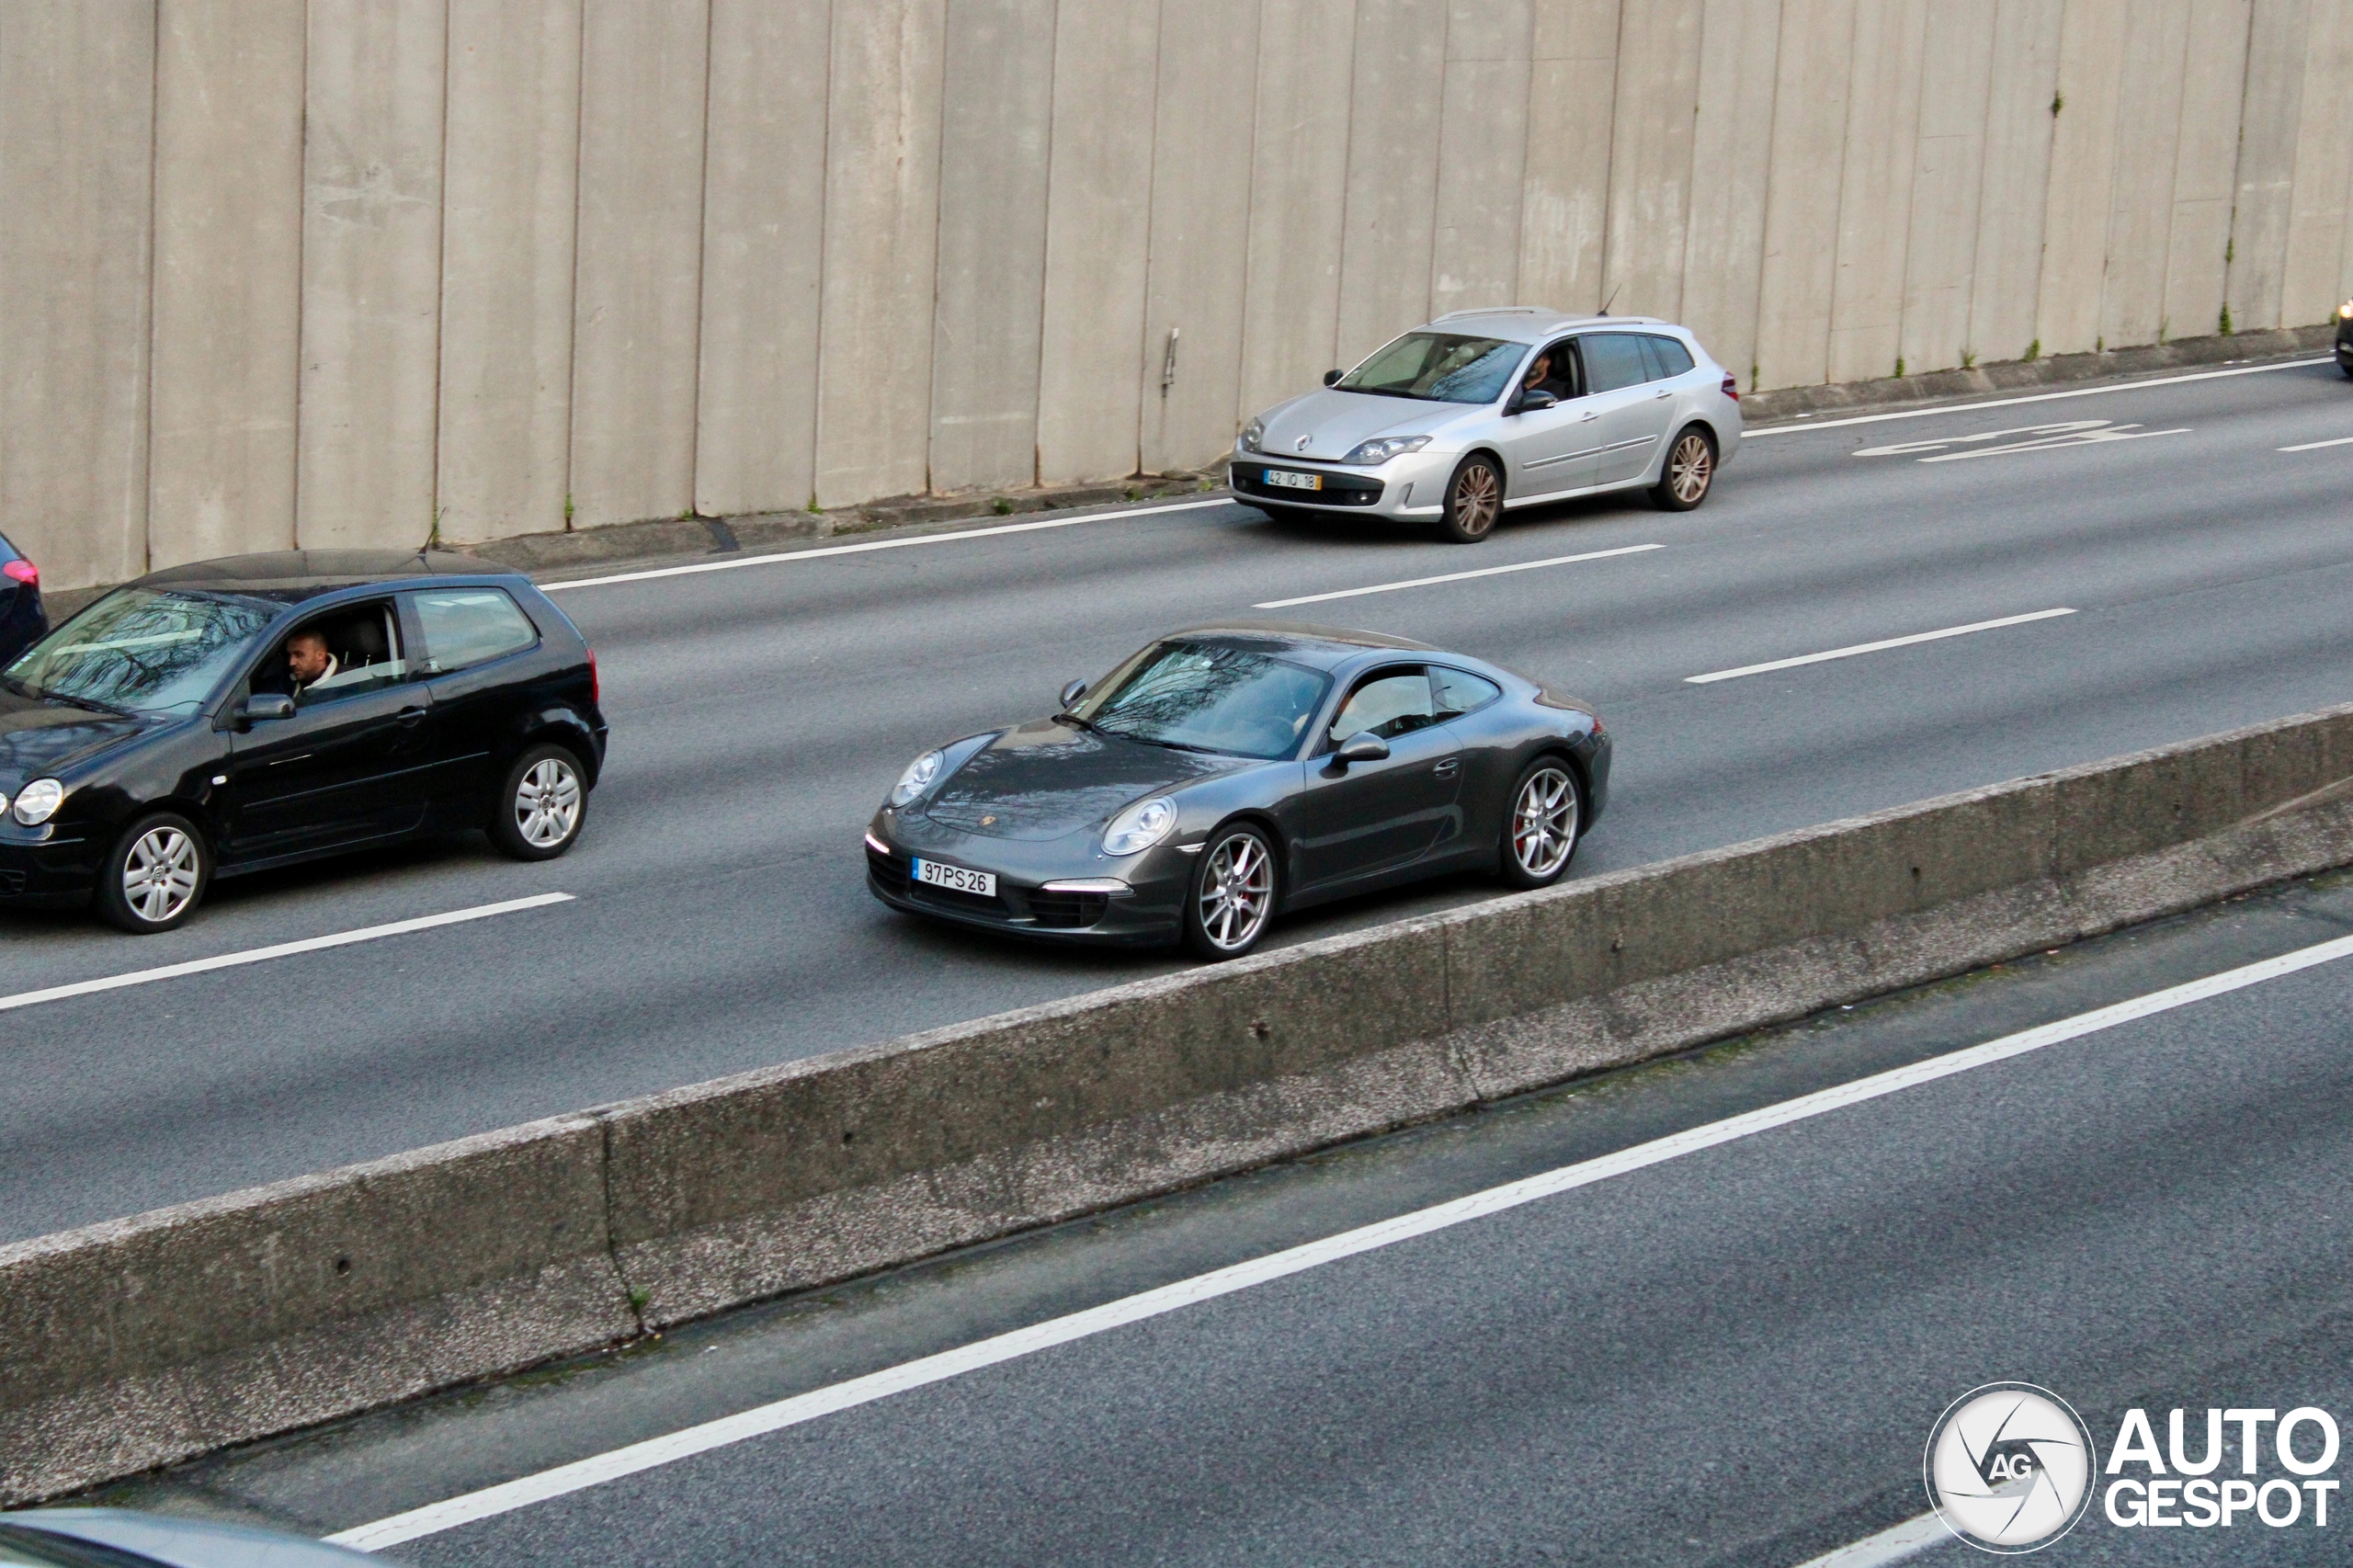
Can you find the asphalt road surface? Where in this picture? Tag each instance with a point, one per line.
(1732, 1357)
(719, 919)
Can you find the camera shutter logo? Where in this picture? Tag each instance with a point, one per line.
(2009, 1467)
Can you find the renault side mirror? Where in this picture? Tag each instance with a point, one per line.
(265, 705)
(1532, 401)
(1362, 747)
(1330, 377)
(1071, 693)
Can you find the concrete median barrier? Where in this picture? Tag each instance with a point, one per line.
(148, 1339)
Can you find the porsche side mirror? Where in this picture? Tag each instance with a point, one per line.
(1331, 376)
(1071, 693)
(1362, 747)
(1532, 401)
(263, 705)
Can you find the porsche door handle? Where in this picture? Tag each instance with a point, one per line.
(1450, 767)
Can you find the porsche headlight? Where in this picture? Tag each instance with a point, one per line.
(1373, 453)
(37, 801)
(920, 775)
(1141, 826)
(1253, 433)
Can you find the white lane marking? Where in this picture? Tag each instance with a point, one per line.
(831, 550)
(2038, 397)
(1455, 576)
(283, 950)
(2315, 446)
(1874, 647)
(655, 1452)
(1892, 1545)
(2046, 437)
(2086, 438)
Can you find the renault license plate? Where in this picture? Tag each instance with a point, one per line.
(1282, 480)
(955, 879)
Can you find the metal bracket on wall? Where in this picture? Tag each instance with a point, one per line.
(1168, 364)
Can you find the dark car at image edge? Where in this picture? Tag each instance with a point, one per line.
(158, 739)
(1224, 774)
(22, 617)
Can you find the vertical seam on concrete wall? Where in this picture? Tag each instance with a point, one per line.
(939, 207)
(1151, 193)
(1045, 241)
(1249, 202)
(147, 415)
(2238, 161)
(612, 1241)
(1912, 190)
(817, 301)
(301, 238)
(1347, 180)
(579, 196)
(2172, 186)
(1437, 159)
(1764, 200)
(702, 269)
(440, 276)
(1609, 162)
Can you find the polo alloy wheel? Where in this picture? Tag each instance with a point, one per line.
(156, 875)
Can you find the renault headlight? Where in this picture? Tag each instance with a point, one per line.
(920, 775)
(1141, 826)
(1373, 453)
(37, 801)
(2345, 311)
(1253, 433)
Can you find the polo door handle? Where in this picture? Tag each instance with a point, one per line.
(410, 718)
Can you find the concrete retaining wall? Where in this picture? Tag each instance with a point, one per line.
(142, 1341)
(326, 272)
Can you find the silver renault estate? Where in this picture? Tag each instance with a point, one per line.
(1479, 411)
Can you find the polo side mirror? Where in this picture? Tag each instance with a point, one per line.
(265, 705)
(1331, 376)
(1071, 693)
(1362, 747)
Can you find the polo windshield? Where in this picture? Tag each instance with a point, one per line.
(142, 651)
(1438, 367)
(1235, 698)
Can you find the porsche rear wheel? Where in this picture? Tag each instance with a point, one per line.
(1231, 899)
(1540, 831)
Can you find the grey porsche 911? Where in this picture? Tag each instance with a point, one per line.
(1226, 774)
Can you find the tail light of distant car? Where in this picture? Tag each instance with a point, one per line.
(23, 572)
(1731, 388)
(595, 686)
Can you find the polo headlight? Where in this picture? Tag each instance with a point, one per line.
(37, 801)
(1253, 433)
(1141, 826)
(2345, 311)
(1375, 452)
(920, 775)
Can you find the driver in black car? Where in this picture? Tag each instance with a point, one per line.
(308, 662)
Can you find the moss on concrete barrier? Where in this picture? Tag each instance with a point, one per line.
(146, 1340)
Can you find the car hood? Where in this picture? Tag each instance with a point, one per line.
(39, 737)
(1334, 422)
(1048, 779)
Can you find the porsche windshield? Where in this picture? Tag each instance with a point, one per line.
(1438, 367)
(1238, 697)
(142, 651)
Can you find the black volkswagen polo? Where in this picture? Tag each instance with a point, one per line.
(234, 715)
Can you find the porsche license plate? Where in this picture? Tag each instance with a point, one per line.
(955, 879)
(1282, 480)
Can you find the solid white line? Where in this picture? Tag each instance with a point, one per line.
(1874, 647)
(819, 554)
(2315, 446)
(283, 950)
(1455, 576)
(1892, 1545)
(583, 1473)
(2038, 397)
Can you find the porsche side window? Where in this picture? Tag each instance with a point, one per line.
(464, 627)
(1459, 692)
(1391, 704)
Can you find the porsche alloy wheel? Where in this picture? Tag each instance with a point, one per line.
(1542, 832)
(1233, 895)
